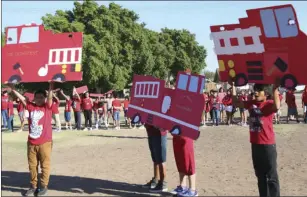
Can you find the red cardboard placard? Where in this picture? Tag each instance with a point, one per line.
(82, 89)
(33, 54)
(96, 95)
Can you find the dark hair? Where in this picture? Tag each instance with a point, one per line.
(260, 87)
(221, 89)
(127, 97)
(40, 92)
(114, 95)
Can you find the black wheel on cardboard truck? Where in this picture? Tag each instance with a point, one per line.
(241, 79)
(58, 77)
(14, 79)
(288, 81)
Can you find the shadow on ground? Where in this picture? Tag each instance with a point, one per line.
(122, 137)
(19, 182)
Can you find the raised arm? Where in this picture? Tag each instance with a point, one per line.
(50, 94)
(235, 101)
(76, 93)
(276, 99)
(18, 95)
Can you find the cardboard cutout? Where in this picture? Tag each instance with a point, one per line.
(267, 44)
(109, 92)
(96, 95)
(82, 89)
(33, 54)
(178, 110)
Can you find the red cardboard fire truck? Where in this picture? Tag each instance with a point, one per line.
(178, 110)
(268, 43)
(33, 54)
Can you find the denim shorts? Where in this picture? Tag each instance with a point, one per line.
(116, 115)
(67, 116)
(242, 110)
(158, 148)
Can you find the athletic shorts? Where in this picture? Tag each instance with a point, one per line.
(67, 115)
(125, 112)
(242, 110)
(184, 154)
(110, 110)
(158, 148)
(292, 111)
(228, 108)
(21, 116)
(222, 107)
(116, 115)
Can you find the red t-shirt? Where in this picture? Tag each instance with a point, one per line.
(261, 121)
(154, 131)
(68, 105)
(206, 100)
(126, 104)
(40, 128)
(116, 103)
(304, 98)
(76, 104)
(96, 105)
(214, 102)
(10, 106)
(221, 95)
(290, 100)
(4, 102)
(227, 101)
(87, 104)
(55, 106)
(20, 107)
(243, 98)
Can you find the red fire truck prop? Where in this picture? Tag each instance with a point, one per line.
(178, 110)
(33, 54)
(265, 45)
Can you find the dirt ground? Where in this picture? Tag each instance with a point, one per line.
(118, 162)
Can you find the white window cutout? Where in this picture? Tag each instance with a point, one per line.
(29, 35)
(11, 36)
(193, 84)
(183, 82)
(202, 86)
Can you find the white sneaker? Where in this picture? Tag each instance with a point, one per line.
(91, 129)
(85, 129)
(70, 128)
(97, 126)
(66, 127)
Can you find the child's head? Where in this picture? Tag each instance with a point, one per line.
(259, 91)
(86, 95)
(127, 98)
(114, 95)
(40, 97)
(221, 89)
(229, 91)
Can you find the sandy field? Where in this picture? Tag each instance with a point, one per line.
(103, 163)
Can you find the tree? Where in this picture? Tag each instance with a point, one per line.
(209, 75)
(2, 39)
(216, 77)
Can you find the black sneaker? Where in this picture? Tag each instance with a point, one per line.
(30, 192)
(161, 187)
(42, 191)
(151, 184)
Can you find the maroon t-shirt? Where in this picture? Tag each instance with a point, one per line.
(76, 105)
(10, 106)
(55, 106)
(40, 128)
(261, 121)
(87, 104)
(68, 105)
(4, 102)
(20, 107)
(154, 131)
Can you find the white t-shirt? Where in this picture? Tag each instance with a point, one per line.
(109, 103)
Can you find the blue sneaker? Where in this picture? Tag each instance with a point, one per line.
(189, 192)
(179, 190)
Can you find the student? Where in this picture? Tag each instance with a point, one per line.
(101, 112)
(4, 107)
(109, 101)
(21, 114)
(221, 96)
(10, 109)
(304, 103)
(95, 110)
(39, 139)
(76, 105)
(262, 137)
(67, 110)
(157, 141)
(125, 106)
(215, 108)
(243, 114)
(227, 101)
(87, 106)
(292, 107)
(204, 118)
(278, 113)
(56, 112)
(116, 105)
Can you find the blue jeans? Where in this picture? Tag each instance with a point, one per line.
(116, 115)
(10, 124)
(78, 119)
(215, 116)
(5, 117)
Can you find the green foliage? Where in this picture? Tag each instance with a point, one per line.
(2, 39)
(216, 77)
(209, 75)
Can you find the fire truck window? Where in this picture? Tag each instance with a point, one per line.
(183, 82)
(284, 16)
(193, 84)
(202, 86)
(29, 34)
(269, 23)
(11, 36)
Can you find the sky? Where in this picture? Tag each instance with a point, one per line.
(195, 16)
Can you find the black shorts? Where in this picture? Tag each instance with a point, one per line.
(158, 148)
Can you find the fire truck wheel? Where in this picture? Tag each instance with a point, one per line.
(176, 130)
(58, 77)
(288, 82)
(15, 79)
(241, 80)
(136, 119)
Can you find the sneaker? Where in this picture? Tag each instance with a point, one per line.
(160, 187)
(189, 192)
(42, 191)
(70, 128)
(91, 129)
(30, 192)
(151, 184)
(85, 129)
(179, 190)
(66, 127)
